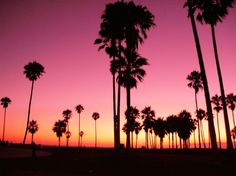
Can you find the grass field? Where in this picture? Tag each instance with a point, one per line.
(52, 161)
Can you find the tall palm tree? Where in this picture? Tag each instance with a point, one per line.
(33, 71)
(212, 12)
(111, 36)
(216, 101)
(33, 128)
(195, 82)
(5, 101)
(147, 115)
(59, 128)
(95, 116)
(124, 22)
(79, 108)
(230, 101)
(191, 10)
(171, 127)
(129, 78)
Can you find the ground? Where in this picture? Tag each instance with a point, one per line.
(89, 161)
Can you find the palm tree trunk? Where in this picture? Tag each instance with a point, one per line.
(28, 118)
(233, 127)
(176, 142)
(118, 114)
(79, 132)
(128, 119)
(95, 134)
(227, 127)
(114, 108)
(136, 145)
(67, 142)
(202, 134)
(32, 138)
(146, 136)
(194, 139)
(4, 121)
(218, 126)
(81, 141)
(59, 141)
(204, 79)
(233, 118)
(169, 139)
(199, 137)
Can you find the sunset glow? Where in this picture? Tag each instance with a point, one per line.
(60, 35)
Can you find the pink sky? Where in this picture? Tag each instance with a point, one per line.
(60, 34)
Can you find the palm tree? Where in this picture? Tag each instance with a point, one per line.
(147, 115)
(5, 101)
(201, 114)
(230, 101)
(137, 129)
(124, 21)
(216, 101)
(195, 82)
(79, 108)
(191, 10)
(171, 127)
(59, 128)
(95, 116)
(81, 133)
(160, 129)
(33, 128)
(67, 114)
(33, 71)
(130, 76)
(131, 114)
(185, 126)
(211, 12)
(111, 35)
(68, 135)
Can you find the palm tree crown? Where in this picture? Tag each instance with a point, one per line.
(33, 126)
(33, 70)
(95, 115)
(195, 81)
(79, 108)
(5, 101)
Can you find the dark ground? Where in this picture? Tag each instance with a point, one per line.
(90, 161)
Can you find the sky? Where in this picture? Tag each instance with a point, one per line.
(60, 35)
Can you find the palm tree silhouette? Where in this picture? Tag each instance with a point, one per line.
(33, 128)
(185, 127)
(68, 135)
(191, 10)
(111, 34)
(81, 133)
(216, 101)
(33, 71)
(124, 22)
(59, 128)
(137, 129)
(5, 101)
(212, 12)
(201, 114)
(79, 108)
(230, 101)
(160, 129)
(131, 114)
(195, 82)
(95, 116)
(130, 75)
(171, 121)
(147, 115)
(67, 114)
